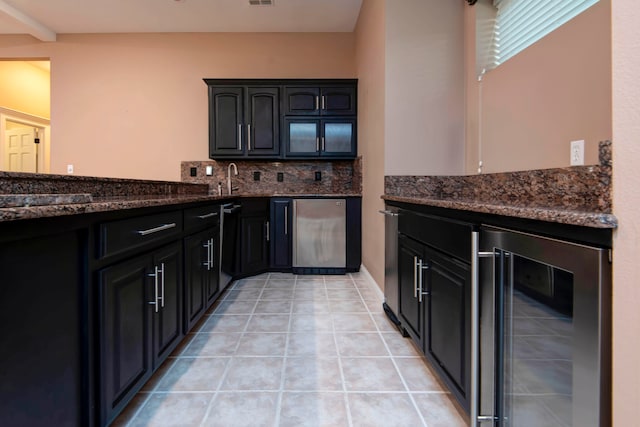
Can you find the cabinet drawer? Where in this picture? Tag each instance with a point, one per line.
(122, 235)
(202, 216)
(449, 236)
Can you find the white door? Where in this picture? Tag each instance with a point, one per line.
(20, 151)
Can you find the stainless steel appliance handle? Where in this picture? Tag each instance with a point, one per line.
(155, 285)
(248, 137)
(286, 220)
(156, 229)
(388, 213)
(476, 254)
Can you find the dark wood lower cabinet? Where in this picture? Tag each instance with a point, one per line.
(435, 296)
(42, 347)
(254, 236)
(141, 323)
(201, 274)
(280, 248)
(447, 320)
(411, 310)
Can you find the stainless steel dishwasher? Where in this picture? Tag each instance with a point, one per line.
(319, 235)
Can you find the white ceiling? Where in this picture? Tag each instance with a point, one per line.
(44, 19)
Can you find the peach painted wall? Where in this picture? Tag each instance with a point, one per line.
(25, 88)
(424, 87)
(370, 63)
(533, 105)
(135, 105)
(626, 204)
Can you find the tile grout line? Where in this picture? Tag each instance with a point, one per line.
(284, 359)
(342, 377)
(395, 365)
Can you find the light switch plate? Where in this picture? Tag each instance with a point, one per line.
(209, 170)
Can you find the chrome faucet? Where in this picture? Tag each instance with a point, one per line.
(235, 172)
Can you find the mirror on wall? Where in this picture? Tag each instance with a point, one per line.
(25, 142)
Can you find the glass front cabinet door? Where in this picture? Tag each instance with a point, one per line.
(320, 137)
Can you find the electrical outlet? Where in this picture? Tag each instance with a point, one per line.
(69, 168)
(577, 153)
(209, 170)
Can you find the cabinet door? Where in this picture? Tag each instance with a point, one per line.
(338, 101)
(195, 256)
(42, 328)
(125, 323)
(226, 121)
(302, 137)
(168, 318)
(338, 138)
(411, 313)
(447, 318)
(263, 121)
(254, 244)
(301, 101)
(281, 234)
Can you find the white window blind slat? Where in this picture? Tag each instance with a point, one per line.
(520, 23)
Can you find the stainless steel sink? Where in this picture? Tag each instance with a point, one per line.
(24, 200)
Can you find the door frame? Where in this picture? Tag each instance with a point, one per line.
(44, 150)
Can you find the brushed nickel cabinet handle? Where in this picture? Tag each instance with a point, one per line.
(156, 229)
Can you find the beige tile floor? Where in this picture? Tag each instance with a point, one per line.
(286, 350)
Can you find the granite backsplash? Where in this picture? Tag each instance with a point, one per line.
(576, 188)
(337, 176)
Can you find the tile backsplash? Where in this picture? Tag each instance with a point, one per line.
(298, 177)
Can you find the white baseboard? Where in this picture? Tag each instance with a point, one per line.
(370, 278)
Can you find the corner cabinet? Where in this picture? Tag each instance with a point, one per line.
(282, 119)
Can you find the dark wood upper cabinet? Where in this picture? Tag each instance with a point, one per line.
(320, 101)
(226, 120)
(263, 121)
(246, 116)
(244, 121)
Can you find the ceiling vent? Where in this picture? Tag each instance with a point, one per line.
(260, 2)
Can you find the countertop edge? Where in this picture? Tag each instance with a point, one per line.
(125, 203)
(585, 219)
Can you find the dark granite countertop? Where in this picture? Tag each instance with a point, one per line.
(562, 216)
(577, 195)
(31, 196)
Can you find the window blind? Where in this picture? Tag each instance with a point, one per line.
(520, 23)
